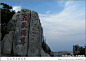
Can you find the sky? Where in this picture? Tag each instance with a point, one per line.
(63, 22)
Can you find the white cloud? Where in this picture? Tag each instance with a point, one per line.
(67, 25)
(17, 8)
(47, 12)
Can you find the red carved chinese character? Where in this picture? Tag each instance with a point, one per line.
(33, 32)
(33, 35)
(32, 29)
(32, 39)
(23, 41)
(23, 25)
(24, 18)
(23, 32)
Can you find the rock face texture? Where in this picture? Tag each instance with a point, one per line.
(25, 35)
(11, 25)
(43, 54)
(20, 43)
(34, 42)
(7, 43)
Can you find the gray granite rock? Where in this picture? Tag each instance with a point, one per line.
(27, 36)
(7, 43)
(47, 55)
(40, 40)
(15, 16)
(43, 54)
(11, 25)
(20, 44)
(25, 11)
(34, 41)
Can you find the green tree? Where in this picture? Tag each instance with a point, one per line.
(82, 51)
(6, 15)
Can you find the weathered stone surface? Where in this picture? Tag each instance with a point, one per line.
(7, 43)
(43, 54)
(47, 55)
(20, 44)
(23, 11)
(11, 25)
(39, 37)
(27, 36)
(16, 16)
(34, 35)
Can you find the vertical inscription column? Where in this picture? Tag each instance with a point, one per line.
(23, 35)
(33, 36)
(20, 44)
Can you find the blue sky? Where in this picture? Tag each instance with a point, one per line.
(63, 22)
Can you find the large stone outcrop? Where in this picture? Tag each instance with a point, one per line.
(34, 41)
(25, 35)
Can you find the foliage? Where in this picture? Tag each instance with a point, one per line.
(81, 51)
(6, 15)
